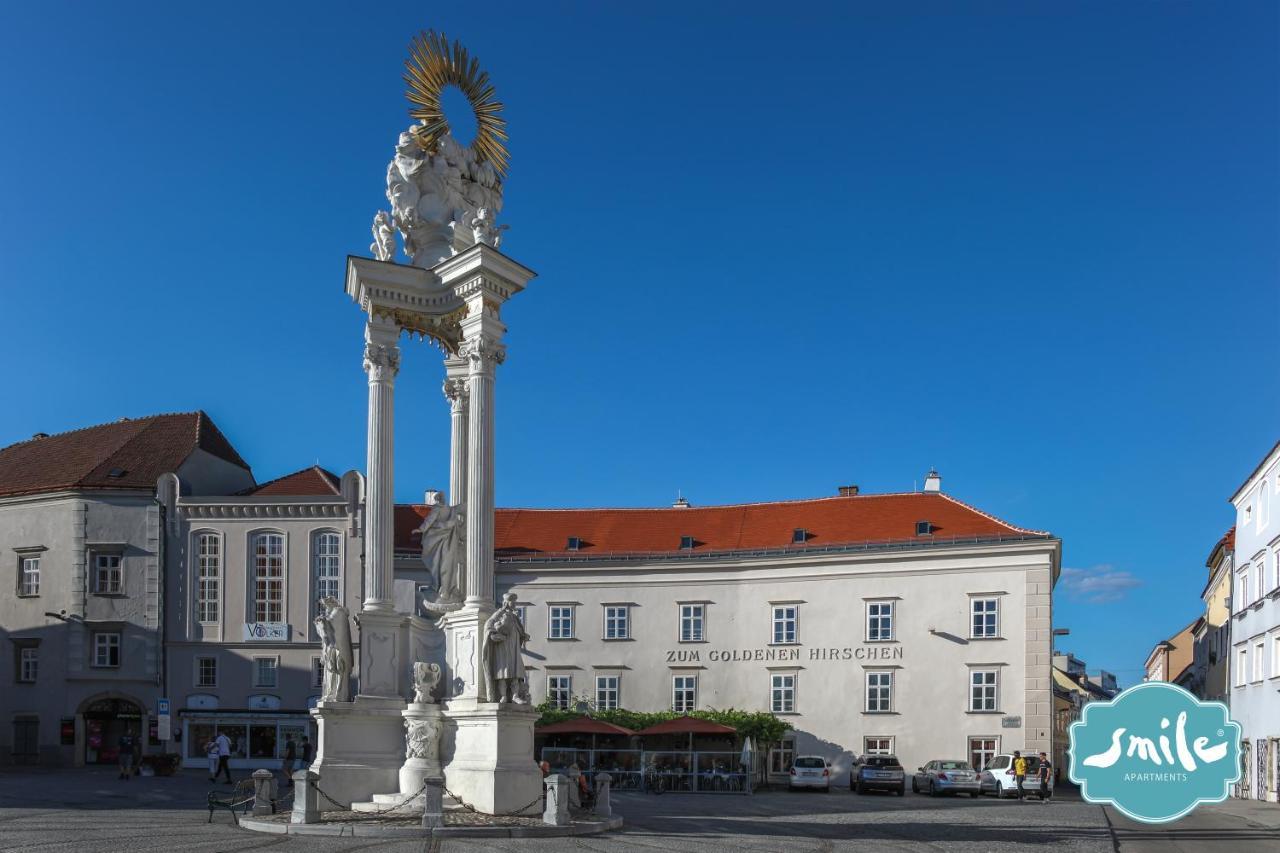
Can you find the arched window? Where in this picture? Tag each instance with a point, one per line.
(268, 577)
(328, 566)
(208, 577)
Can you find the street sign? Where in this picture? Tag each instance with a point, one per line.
(1011, 722)
(163, 731)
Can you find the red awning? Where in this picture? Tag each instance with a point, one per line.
(688, 725)
(583, 726)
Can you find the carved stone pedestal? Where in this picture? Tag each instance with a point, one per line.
(462, 629)
(488, 756)
(360, 748)
(423, 727)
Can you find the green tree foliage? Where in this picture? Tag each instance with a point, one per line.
(761, 726)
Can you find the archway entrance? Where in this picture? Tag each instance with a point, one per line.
(105, 722)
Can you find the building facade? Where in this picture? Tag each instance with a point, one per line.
(1255, 628)
(1172, 659)
(908, 623)
(82, 626)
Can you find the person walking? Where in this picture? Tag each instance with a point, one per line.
(290, 756)
(224, 756)
(1045, 773)
(211, 750)
(1019, 772)
(306, 752)
(125, 757)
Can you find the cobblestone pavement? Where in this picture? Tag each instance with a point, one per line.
(89, 810)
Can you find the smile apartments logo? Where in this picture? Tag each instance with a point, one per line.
(1155, 752)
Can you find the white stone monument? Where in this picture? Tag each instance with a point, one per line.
(444, 197)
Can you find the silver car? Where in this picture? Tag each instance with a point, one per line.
(810, 771)
(946, 777)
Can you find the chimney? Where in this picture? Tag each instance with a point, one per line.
(932, 481)
(39, 435)
(680, 503)
(848, 491)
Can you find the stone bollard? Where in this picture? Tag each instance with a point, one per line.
(603, 784)
(556, 812)
(262, 804)
(433, 802)
(575, 797)
(306, 799)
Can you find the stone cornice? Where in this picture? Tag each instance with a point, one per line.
(264, 508)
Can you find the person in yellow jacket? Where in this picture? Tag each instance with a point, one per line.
(1019, 771)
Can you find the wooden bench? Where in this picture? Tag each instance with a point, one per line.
(240, 796)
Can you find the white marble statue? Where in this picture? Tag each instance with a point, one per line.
(444, 546)
(425, 678)
(383, 246)
(334, 627)
(503, 675)
(483, 229)
(422, 739)
(436, 196)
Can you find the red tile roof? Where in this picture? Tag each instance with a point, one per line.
(827, 521)
(1226, 543)
(137, 450)
(308, 482)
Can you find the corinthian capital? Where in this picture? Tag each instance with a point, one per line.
(455, 391)
(483, 352)
(381, 361)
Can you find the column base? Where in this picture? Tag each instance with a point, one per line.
(487, 750)
(380, 653)
(359, 749)
(462, 629)
(417, 768)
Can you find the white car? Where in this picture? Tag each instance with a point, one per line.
(998, 778)
(810, 771)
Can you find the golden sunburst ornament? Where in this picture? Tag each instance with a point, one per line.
(434, 63)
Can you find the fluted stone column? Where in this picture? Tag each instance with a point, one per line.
(484, 353)
(455, 391)
(381, 362)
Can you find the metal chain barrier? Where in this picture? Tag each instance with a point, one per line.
(520, 812)
(347, 807)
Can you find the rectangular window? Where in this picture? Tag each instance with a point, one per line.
(265, 671)
(560, 623)
(1242, 589)
(785, 618)
(617, 622)
(606, 692)
(328, 567)
(29, 576)
(1275, 566)
(781, 757)
(108, 578)
(559, 691)
(684, 693)
(1275, 657)
(209, 577)
(879, 692)
(1242, 658)
(1259, 653)
(106, 649)
(206, 672)
(983, 690)
(268, 573)
(877, 745)
(879, 621)
(982, 750)
(28, 663)
(317, 672)
(984, 624)
(782, 693)
(692, 622)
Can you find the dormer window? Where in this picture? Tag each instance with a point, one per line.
(116, 473)
(574, 544)
(799, 535)
(686, 543)
(924, 528)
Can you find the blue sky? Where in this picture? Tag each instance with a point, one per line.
(1032, 244)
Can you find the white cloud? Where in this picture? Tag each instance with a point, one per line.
(1097, 585)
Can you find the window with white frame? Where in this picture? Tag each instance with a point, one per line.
(1242, 660)
(983, 690)
(317, 671)
(1261, 575)
(879, 691)
(559, 691)
(1259, 654)
(28, 663)
(782, 756)
(522, 610)
(209, 577)
(785, 623)
(606, 692)
(328, 566)
(782, 692)
(106, 649)
(877, 745)
(265, 671)
(982, 750)
(560, 622)
(28, 575)
(879, 621)
(108, 577)
(268, 577)
(684, 693)
(1275, 656)
(1242, 588)
(1275, 568)
(617, 622)
(692, 623)
(206, 672)
(985, 623)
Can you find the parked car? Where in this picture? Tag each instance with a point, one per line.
(998, 778)
(878, 773)
(810, 771)
(946, 777)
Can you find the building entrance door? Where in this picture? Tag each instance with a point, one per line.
(1246, 770)
(105, 722)
(1263, 775)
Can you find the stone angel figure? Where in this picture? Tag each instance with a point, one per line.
(334, 627)
(484, 230)
(425, 678)
(444, 546)
(503, 674)
(383, 246)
